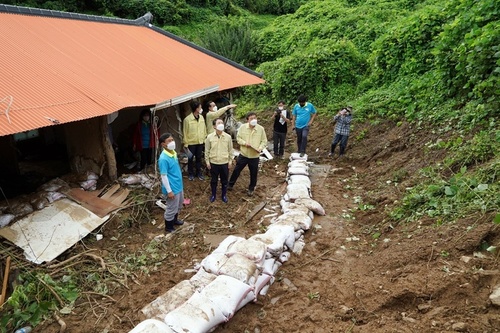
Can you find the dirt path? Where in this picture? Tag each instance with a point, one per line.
(359, 271)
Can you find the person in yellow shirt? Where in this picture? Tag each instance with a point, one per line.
(194, 134)
(218, 156)
(252, 140)
(214, 113)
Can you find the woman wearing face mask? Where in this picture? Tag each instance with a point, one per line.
(172, 186)
(144, 139)
(218, 156)
(281, 119)
(252, 140)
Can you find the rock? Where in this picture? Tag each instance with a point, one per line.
(423, 307)
(495, 296)
(459, 327)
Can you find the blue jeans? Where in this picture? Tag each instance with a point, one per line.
(302, 138)
(343, 143)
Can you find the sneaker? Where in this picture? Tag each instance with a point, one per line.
(330, 154)
(191, 177)
(169, 231)
(201, 177)
(301, 154)
(250, 193)
(179, 222)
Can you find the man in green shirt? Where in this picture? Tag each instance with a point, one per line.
(252, 140)
(214, 113)
(194, 133)
(218, 156)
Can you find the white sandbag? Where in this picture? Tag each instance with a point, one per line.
(274, 246)
(296, 156)
(284, 257)
(91, 175)
(300, 179)
(298, 233)
(89, 185)
(198, 315)
(264, 289)
(298, 163)
(54, 196)
(152, 326)
(170, 300)
(285, 233)
(311, 204)
(297, 171)
(299, 245)
(226, 243)
(288, 206)
(21, 209)
(227, 293)
(268, 266)
(236, 266)
(130, 179)
(250, 248)
(297, 191)
(296, 218)
(261, 282)
(202, 278)
(5, 219)
(251, 297)
(53, 185)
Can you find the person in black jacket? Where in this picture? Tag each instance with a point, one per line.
(281, 119)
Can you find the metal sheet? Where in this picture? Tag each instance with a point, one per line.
(45, 234)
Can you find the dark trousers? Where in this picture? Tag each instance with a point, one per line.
(197, 151)
(216, 171)
(343, 143)
(279, 143)
(146, 157)
(241, 163)
(302, 138)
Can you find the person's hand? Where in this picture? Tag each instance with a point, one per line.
(171, 195)
(209, 166)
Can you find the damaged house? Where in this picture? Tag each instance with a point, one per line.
(72, 85)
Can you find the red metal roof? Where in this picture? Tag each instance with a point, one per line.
(69, 69)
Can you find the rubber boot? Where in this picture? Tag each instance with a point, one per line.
(224, 194)
(214, 193)
(177, 221)
(169, 226)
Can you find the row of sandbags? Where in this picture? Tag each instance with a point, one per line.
(235, 273)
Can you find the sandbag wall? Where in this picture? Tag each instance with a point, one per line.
(239, 269)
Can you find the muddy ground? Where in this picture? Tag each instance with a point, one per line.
(359, 271)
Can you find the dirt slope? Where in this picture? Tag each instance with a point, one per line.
(415, 277)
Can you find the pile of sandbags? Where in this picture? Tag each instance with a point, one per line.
(239, 269)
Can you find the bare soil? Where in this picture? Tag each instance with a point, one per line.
(415, 277)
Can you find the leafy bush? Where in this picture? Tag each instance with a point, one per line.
(323, 70)
(230, 38)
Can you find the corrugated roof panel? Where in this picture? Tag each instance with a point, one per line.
(70, 70)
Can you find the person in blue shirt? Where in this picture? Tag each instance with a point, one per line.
(144, 138)
(303, 115)
(172, 186)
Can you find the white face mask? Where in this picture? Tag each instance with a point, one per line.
(214, 108)
(253, 122)
(280, 107)
(220, 127)
(171, 145)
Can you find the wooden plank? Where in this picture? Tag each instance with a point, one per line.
(255, 211)
(95, 204)
(119, 197)
(3, 296)
(110, 192)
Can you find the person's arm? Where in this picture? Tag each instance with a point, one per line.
(312, 119)
(348, 119)
(224, 109)
(239, 137)
(230, 151)
(207, 152)
(263, 140)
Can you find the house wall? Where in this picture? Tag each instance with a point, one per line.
(85, 142)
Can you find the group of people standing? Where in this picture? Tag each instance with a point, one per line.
(208, 137)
